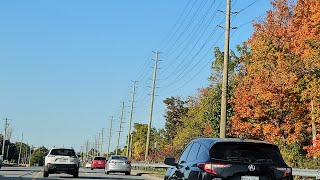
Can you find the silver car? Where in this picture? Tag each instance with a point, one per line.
(119, 164)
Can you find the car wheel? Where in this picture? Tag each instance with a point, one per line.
(45, 174)
(127, 173)
(76, 174)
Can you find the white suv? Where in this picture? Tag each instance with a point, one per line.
(61, 160)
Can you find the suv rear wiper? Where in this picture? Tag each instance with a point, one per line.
(236, 159)
(242, 159)
(268, 161)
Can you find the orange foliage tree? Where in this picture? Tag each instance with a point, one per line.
(276, 86)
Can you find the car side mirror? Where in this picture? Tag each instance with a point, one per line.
(170, 161)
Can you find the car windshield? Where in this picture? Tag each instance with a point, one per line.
(99, 158)
(247, 152)
(119, 157)
(62, 152)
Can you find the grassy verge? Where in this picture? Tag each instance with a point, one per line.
(157, 172)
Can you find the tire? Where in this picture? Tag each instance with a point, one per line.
(45, 173)
(76, 174)
(127, 173)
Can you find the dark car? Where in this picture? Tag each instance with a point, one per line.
(232, 159)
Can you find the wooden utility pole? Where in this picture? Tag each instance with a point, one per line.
(101, 141)
(130, 121)
(130, 150)
(31, 147)
(223, 120)
(120, 127)
(151, 104)
(110, 132)
(20, 149)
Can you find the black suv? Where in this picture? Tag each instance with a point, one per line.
(232, 159)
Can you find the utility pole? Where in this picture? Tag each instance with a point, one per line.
(25, 154)
(130, 121)
(120, 127)
(98, 147)
(4, 136)
(223, 120)
(95, 145)
(20, 149)
(130, 150)
(31, 147)
(151, 104)
(101, 141)
(110, 131)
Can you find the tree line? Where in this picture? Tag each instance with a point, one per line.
(273, 91)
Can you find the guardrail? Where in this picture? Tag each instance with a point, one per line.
(313, 173)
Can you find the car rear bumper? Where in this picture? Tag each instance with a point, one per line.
(98, 166)
(119, 169)
(61, 168)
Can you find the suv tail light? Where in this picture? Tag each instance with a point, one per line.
(211, 167)
(287, 171)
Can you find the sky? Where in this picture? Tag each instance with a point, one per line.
(67, 65)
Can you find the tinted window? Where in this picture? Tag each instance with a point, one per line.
(193, 152)
(247, 152)
(185, 153)
(99, 158)
(119, 157)
(203, 154)
(62, 152)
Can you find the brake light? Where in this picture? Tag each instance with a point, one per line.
(287, 171)
(210, 167)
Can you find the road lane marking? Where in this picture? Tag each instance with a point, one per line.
(35, 177)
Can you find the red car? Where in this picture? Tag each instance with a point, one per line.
(98, 162)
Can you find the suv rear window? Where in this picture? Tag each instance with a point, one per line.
(246, 152)
(62, 152)
(119, 157)
(99, 158)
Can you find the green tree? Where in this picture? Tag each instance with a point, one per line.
(37, 156)
(176, 110)
(139, 140)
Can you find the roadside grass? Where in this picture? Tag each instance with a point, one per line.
(157, 172)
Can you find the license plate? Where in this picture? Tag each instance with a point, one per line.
(249, 178)
(63, 160)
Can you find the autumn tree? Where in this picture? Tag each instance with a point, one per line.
(139, 135)
(176, 110)
(306, 45)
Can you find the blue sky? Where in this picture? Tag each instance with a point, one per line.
(66, 65)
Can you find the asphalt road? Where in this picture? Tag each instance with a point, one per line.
(36, 173)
